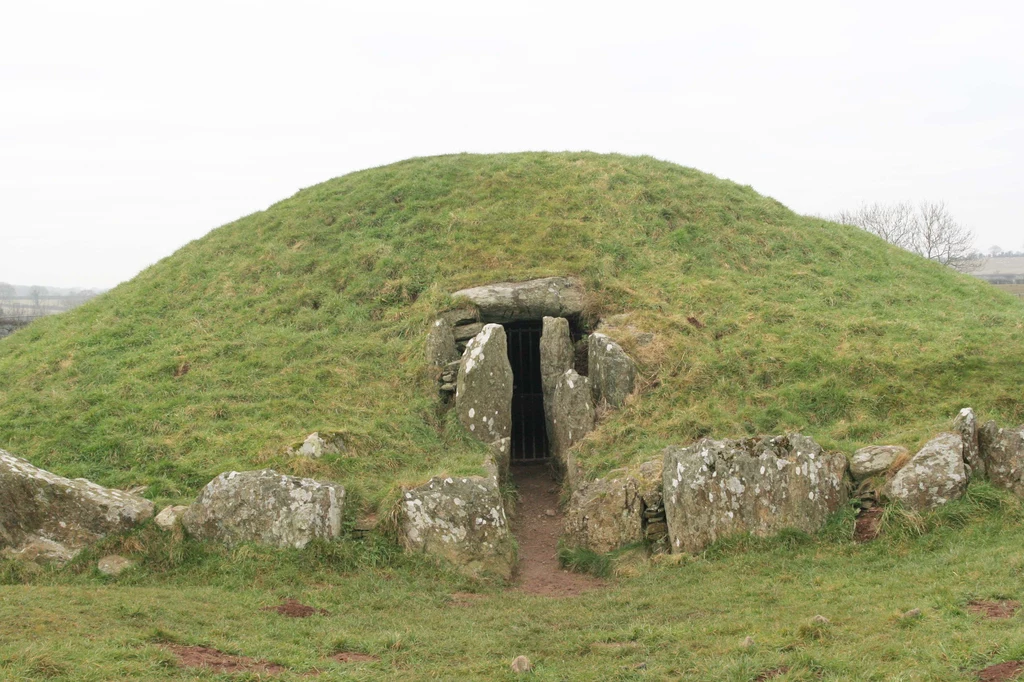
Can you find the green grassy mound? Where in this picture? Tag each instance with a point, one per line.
(312, 315)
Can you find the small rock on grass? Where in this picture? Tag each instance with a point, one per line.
(747, 642)
(820, 620)
(168, 516)
(912, 613)
(114, 565)
(521, 664)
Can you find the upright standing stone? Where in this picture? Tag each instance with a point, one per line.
(556, 357)
(932, 477)
(483, 396)
(714, 489)
(1002, 450)
(612, 372)
(572, 418)
(441, 344)
(966, 424)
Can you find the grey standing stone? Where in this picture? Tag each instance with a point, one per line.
(316, 446)
(499, 459)
(966, 424)
(612, 373)
(714, 489)
(605, 514)
(556, 357)
(572, 418)
(36, 505)
(874, 460)
(441, 344)
(932, 477)
(483, 396)
(1002, 450)
(532, 300)
(266, 507)
(461, 520)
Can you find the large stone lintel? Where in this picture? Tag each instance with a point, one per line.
(504, 302)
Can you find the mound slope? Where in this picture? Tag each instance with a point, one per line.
(312, 314)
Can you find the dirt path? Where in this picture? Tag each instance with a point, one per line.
(537, 526)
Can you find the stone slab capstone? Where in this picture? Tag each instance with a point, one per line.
(532, 300)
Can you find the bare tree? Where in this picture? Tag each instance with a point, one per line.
(927, 230)
(37, 293)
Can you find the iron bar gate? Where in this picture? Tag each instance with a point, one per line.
(529, 435)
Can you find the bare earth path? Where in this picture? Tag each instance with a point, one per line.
(537, 526)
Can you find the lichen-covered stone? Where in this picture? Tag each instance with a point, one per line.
(267, 508)
(168, 516)
(38, 506)
(499, 459)
(114, 565)
(966, 424)
(613, 511)
(572, 418)
(714, 489)
(556, 358)
(483, 396)
(932, 477)
(441, 344)
(1002, 451)
(531, 300)
(461, 520)
(612, 373)
(874, 460)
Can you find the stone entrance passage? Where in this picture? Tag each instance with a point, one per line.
(529, 435)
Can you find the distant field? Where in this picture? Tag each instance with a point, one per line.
(1017, 289)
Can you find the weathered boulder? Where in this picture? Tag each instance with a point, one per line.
(572, 418)
(483, 396)
(612, 373)
(717, 488)
(532, 300)
(266, 507)
(613, 511)
(44, 510)
(932, 477)
(966, 424)
(441, 344)
(169, 516)
(461, 520)
(874, 460)
(556, 357)
(464, 332)
(1002, 451)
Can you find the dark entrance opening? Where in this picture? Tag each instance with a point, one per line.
(529, 435)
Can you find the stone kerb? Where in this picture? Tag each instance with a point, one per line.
(46, 515)
(933, 476)
(714, 489)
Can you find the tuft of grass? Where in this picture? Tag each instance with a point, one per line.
(583, 560)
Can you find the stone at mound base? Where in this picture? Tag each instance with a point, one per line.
(874, 460)
(612, 372)
(714, 489)
(38, 506)
(266, 507)
(1002, 450)
(169, 516)
(461, 520)
(483, 397)
(572, 418)
(933, 477)
(513, 301)
(609, 512)
(441, 344)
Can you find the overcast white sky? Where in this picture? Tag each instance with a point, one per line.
(130, 128)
